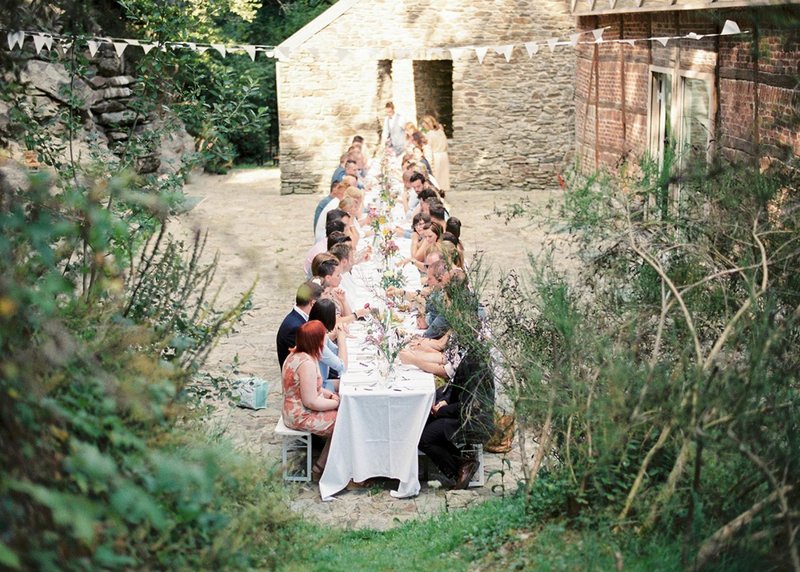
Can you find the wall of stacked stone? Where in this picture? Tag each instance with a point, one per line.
(758, 106)
(513, 122)
(105, 97)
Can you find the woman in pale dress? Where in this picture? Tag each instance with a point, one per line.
(439, 159)
(307, 406)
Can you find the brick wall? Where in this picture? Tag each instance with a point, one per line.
(512, 122)
(757, 103)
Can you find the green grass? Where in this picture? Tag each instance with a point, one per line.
(496, 535)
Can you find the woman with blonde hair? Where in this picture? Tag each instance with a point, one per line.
(439, 159)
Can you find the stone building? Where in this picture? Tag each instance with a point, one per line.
(510, 123)
(707, 95)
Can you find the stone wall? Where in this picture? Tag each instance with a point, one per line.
(512, 122)
(105, 99)
(756, 107)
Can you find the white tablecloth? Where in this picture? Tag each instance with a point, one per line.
(377, 428)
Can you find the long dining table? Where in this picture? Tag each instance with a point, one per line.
(378, 426)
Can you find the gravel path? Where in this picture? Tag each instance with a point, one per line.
(261, 235)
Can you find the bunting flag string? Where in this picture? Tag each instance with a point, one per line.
(42, 40)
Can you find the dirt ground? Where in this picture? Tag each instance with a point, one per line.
(261, 238)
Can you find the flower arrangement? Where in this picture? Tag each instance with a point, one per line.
(387, 340)
(389, 248)
(392, 277)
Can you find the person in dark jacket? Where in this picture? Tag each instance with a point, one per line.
(307, 294)
(461, 413)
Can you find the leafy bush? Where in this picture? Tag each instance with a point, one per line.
(661, 381)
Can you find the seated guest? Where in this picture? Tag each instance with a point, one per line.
(344, 254)
(437, 211)
(307, 406)
(335, 226)
(416, 183)
(328, 274)
(329, 215)
(326, 204)
(453, 256)
(307, 294)
(462, 411)
(431, 234)
(453, 226)
(349, 205)
(339, 172)
(334, 353)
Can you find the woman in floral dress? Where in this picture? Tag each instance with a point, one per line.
(307, 406)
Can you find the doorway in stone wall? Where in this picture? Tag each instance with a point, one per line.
(417, 88)
(433, 91)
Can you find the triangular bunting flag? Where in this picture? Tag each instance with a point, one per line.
(251, 51)
(456, 53)
(202, 49)
(66, 45)
(552, 44)
(12, 40)
(532, 48)
(147, 47)
(481, 53)
(573, 39)
(729, 28)
(220, 48)
(693, 36)
(48, 42)
(662, 41)
(629, 42)
(192, 46)
(119, 47)
(505, 51)
(93, 45)
(269, 53)
(38, 42)
(598, 35)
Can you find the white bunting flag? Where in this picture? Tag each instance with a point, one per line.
(629, 42)
(202, 49)
(573, 39)
(456, 53)
(506, 51)
(38, 42)
(93, 45)
(66, 45)
(48, 42)
(119, 47)
(663, 41)
(12, 40)
(269, 54)
(532, 48)
(552, 44)
(147, 48)
(729, 28)
(220, 48)
(481, 53)
(192, 46)
(693, 36)
(598, 35)
(251, 51)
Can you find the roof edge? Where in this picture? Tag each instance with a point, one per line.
(305, 33)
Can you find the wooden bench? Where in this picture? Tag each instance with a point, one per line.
(479, 479)
(294, 442)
